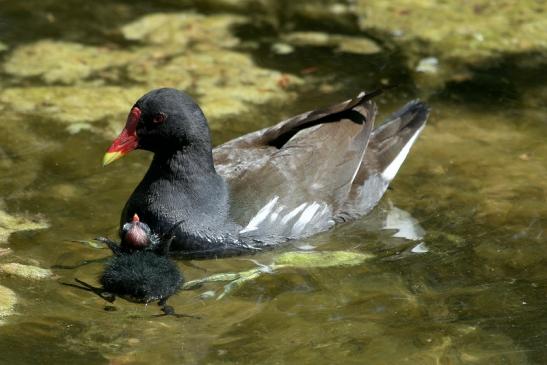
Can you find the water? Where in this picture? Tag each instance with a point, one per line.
(476, 181)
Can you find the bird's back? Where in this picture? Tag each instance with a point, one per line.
(304, 174)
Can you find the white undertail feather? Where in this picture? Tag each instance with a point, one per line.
(392, 169)
(372, 190)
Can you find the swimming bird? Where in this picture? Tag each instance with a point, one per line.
(294, 179)
(140, 270)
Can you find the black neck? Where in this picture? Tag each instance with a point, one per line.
(183, 164)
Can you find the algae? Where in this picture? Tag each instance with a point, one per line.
(29, 272)
(15, 223)
(320, 259)
(8, 299)
(185, 51)
(467, 31)
(459, 34)
(183, 30)
(72, 104)
(62, 62)
(294, 260)
(226, 82)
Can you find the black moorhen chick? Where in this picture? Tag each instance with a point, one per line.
(135, 236)
(140, 270)
(288, 181)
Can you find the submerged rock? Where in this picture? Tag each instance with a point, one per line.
(25, 271)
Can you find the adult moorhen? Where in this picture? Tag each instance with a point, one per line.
(288, 181)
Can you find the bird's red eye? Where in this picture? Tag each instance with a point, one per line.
(159, 118)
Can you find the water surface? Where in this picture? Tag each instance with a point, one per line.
(476, 182)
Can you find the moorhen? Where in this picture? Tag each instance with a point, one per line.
(140, 270)
(288, 181)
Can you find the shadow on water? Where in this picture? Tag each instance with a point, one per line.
(499, 82)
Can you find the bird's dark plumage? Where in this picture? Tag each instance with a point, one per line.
(291, 180)
(138, 272)
(142, 276)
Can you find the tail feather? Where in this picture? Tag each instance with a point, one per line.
(388, 147)
(388, 141)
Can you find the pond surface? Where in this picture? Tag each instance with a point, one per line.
(475, 182)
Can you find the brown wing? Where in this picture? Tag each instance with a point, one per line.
(308, 162)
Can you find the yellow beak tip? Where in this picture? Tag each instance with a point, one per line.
(110, 157)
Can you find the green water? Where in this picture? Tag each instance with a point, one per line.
(476, 181)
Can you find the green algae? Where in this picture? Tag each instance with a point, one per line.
(72, 104)
(184, 30)
(15, 223)
(226, 82)
(29, 272)
(8, 300)
(320, 259)
(62, 62)
(287, 260)
(458, 34)
(185, 51)
(470, 31)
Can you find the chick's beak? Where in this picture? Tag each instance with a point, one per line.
(127, 141)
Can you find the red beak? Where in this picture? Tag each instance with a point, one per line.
(127, 141)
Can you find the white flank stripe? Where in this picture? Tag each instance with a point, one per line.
(390, 171)
(275, 214)
(260, 216)
(304, 219)
(293, 213)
